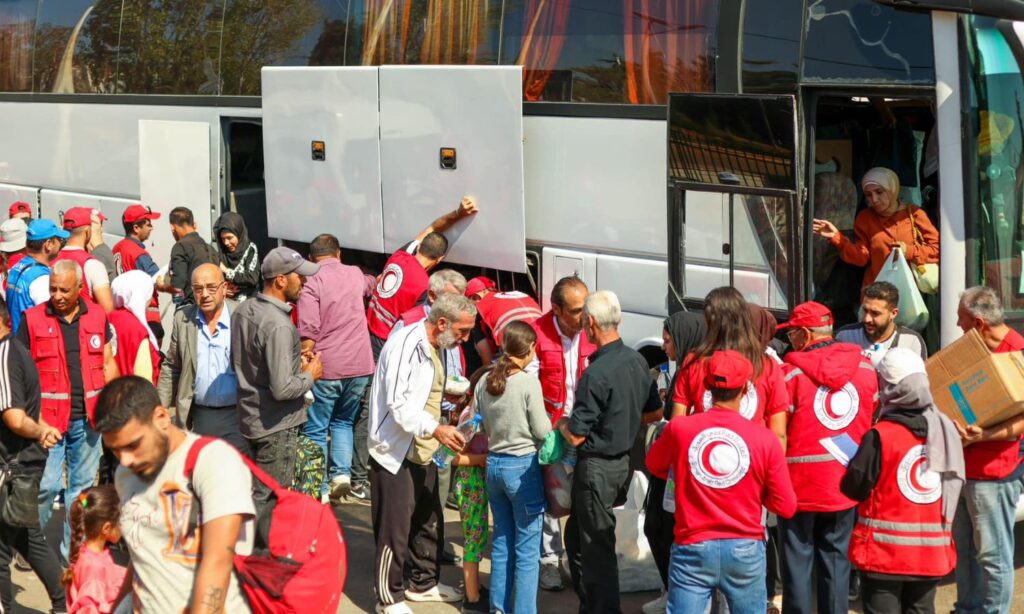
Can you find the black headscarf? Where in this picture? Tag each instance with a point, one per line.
(233, 223)
(687, 330)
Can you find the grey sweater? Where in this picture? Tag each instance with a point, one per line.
(515, 422)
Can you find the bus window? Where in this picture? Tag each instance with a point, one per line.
(17, 22)
(861, 40)
(73, 54)
(993, 155)
(771, 46)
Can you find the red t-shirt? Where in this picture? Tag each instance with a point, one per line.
(995, 460)
(726, 467)
(768, 395)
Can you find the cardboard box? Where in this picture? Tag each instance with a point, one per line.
(971, 385)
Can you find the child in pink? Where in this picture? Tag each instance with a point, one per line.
(93, 579)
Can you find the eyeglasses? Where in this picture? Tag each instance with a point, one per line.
(211, 288)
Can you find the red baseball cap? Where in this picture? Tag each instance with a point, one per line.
(808, 315)
(728, 369)
(478, 285)
(76, 217)
(137, 213)
(19, 207)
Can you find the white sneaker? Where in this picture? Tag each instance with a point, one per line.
(439, 592)
(658, 606)
(340, 487)
(394, 608)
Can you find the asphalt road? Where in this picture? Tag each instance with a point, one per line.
(355, 519)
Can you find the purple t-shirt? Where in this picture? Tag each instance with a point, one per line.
(332, 314)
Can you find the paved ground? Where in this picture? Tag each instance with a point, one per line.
(359, 589)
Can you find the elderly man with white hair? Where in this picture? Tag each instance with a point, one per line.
(615, 395)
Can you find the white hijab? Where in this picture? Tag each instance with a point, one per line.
(133, 290)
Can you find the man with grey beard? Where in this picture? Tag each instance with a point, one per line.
(405, 431)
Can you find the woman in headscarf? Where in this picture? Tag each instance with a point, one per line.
(238, 256)
(138, 352)
(683, 332)
(886, 223)
(886, 475)
(765, 324)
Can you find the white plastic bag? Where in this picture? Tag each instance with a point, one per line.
(637, 571)
(913, 313)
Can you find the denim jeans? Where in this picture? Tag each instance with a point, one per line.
(815, 545)
(983, 533)
(516, 491)
(80, 448)
(276, 454)
(336, 406)
(736, 567)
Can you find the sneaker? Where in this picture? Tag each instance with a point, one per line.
(340, 487)
(551, 577)
(20, 563)
(325, 497)
(439, 592)
(394, 608)
(657, 606)
(483, 604)
(359, 491)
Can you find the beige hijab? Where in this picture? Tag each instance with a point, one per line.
(887, 180)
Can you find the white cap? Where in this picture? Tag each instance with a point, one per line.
(12, 235)
(898, 363)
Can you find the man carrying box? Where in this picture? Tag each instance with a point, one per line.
(983, 529)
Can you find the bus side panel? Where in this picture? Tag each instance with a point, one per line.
(595, 182)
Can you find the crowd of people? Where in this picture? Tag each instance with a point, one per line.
(780, 453)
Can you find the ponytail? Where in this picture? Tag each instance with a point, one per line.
(77, 521)
(517, 341)
(498, 377)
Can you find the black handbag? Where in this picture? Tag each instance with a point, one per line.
(19, 498)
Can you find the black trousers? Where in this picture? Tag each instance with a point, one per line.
(659, 527)
(408, 529)
(898, 596)
(598, 485)
(31, 544)
(815, 544)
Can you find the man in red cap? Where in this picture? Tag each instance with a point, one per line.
(726, 467)
(496, 310)
(95, 284)
(20, 210)
(130, 255)
(834, 392)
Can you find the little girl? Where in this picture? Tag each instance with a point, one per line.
(93, 579)
(471, 495)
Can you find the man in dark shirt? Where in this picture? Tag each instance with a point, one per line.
(24, 439)
(189, 251)
(615, 395)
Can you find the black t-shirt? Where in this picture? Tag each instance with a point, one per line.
(19, 389)
(186, 255)
(69, 332)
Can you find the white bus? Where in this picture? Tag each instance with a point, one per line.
(109, 102)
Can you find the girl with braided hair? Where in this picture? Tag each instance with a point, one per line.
(93, 579)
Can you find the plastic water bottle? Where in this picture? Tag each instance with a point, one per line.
(444, 454)
(663, 379)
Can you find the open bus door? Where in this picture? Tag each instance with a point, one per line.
(734, 215)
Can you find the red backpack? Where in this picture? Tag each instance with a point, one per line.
(298, 562)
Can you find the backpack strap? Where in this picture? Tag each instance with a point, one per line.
(193, 456)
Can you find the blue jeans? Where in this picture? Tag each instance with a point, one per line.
(336, 407)
(736, 567)
(983, 533)
(80, 447)
(516, 491)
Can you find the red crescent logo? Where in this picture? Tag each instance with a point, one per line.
(915, 473)
(706, 459)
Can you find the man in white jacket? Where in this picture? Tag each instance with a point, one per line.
(405, 432)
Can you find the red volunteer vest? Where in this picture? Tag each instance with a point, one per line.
(126, 252)
(552, 363)
(900, 529)
(79, 256)
(401, 284)
(47, 349)
(820, 413)
(765, 396)
(130, 335)
(498, 309)
(994, 460)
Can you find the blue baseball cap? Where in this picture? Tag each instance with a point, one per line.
(43, 229)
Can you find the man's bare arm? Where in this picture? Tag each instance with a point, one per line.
(465, 209)
(216, 564)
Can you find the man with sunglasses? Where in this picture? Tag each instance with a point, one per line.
(28, 282)
(130, 255)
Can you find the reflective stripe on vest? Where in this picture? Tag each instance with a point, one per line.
(792, 374)
(818, 458)
(900, 540)
(384, 315)
(55, 396)
(513, 315)
(921, 527)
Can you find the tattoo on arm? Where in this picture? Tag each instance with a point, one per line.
(213, 600)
